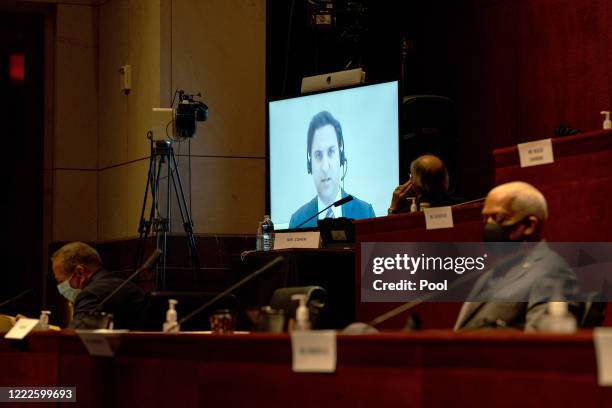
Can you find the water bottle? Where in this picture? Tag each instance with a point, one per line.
(267, 232)
(259, 239)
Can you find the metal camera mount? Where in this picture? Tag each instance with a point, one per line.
(163, 153)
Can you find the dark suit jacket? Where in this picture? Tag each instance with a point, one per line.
(355, 209)
(128, 306)
(518, 298)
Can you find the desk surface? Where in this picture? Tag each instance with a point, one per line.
(430, 368)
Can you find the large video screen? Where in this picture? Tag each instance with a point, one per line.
(325, 146)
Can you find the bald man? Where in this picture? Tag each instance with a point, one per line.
(427, 185)
(528, 274)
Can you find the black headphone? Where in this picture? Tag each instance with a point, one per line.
(321, 119)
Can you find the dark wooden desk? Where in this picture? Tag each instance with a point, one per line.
(422, 369)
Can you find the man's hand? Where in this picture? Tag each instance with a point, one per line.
(400, 194)
(14, 320)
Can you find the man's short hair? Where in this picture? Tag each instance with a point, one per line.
(525, 199)
(319, 120)
(429, 174)
(76, 253)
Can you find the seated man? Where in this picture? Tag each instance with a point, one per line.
(427, 187)
(326, 161)
(82, 280)
(516, 290)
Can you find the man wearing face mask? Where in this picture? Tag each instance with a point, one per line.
(515, 291)
(82, 280)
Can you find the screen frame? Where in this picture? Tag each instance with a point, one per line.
(399, 97)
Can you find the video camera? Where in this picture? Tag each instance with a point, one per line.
(188, 112)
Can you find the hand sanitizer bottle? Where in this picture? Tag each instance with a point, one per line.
(302, 321)
(559, 320)
(43, 320)
(607, 124)
(171, 324)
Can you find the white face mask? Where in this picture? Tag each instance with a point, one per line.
(68, 291)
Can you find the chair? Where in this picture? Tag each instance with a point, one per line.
(591, 311)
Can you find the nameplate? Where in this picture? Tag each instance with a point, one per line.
(306, 239)
(602, 336)
(536, 153)
(101, 343)
(438, 217)
(21, 328)
(314, 351)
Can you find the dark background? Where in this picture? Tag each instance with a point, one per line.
(21, 107)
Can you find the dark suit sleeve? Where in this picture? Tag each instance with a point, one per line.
(86, 302)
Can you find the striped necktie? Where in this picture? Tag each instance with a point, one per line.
(329, 213)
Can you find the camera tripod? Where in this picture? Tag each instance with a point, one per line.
(162, 152)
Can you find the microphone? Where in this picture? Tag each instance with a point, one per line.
(235, 286)
(25, 292)
(341, 201)
(338, 203)
(148, 264)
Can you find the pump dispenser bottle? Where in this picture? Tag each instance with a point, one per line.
(302, 321)
(43, 321)
(559, 319)
(607, 124)
(171, 325)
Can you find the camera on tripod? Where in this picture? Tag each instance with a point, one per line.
(188, 112)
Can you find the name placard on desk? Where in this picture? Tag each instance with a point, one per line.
(536, 153)
(438, 217)
(306, 239)
(314, 351)
(602, 336)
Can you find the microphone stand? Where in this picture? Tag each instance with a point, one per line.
(149, 263)
(338, 203)
(6, 302)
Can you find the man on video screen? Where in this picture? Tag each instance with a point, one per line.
(326, 161)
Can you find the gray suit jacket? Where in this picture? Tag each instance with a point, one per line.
(516, 294)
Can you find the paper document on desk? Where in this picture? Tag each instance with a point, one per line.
(602, 336)
(21, 328)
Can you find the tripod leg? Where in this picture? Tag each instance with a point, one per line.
(184, 210)
(161, 226)
(145, 225)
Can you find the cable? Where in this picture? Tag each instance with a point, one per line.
(189, 171)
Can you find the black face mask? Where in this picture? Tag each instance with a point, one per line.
(499, 233)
